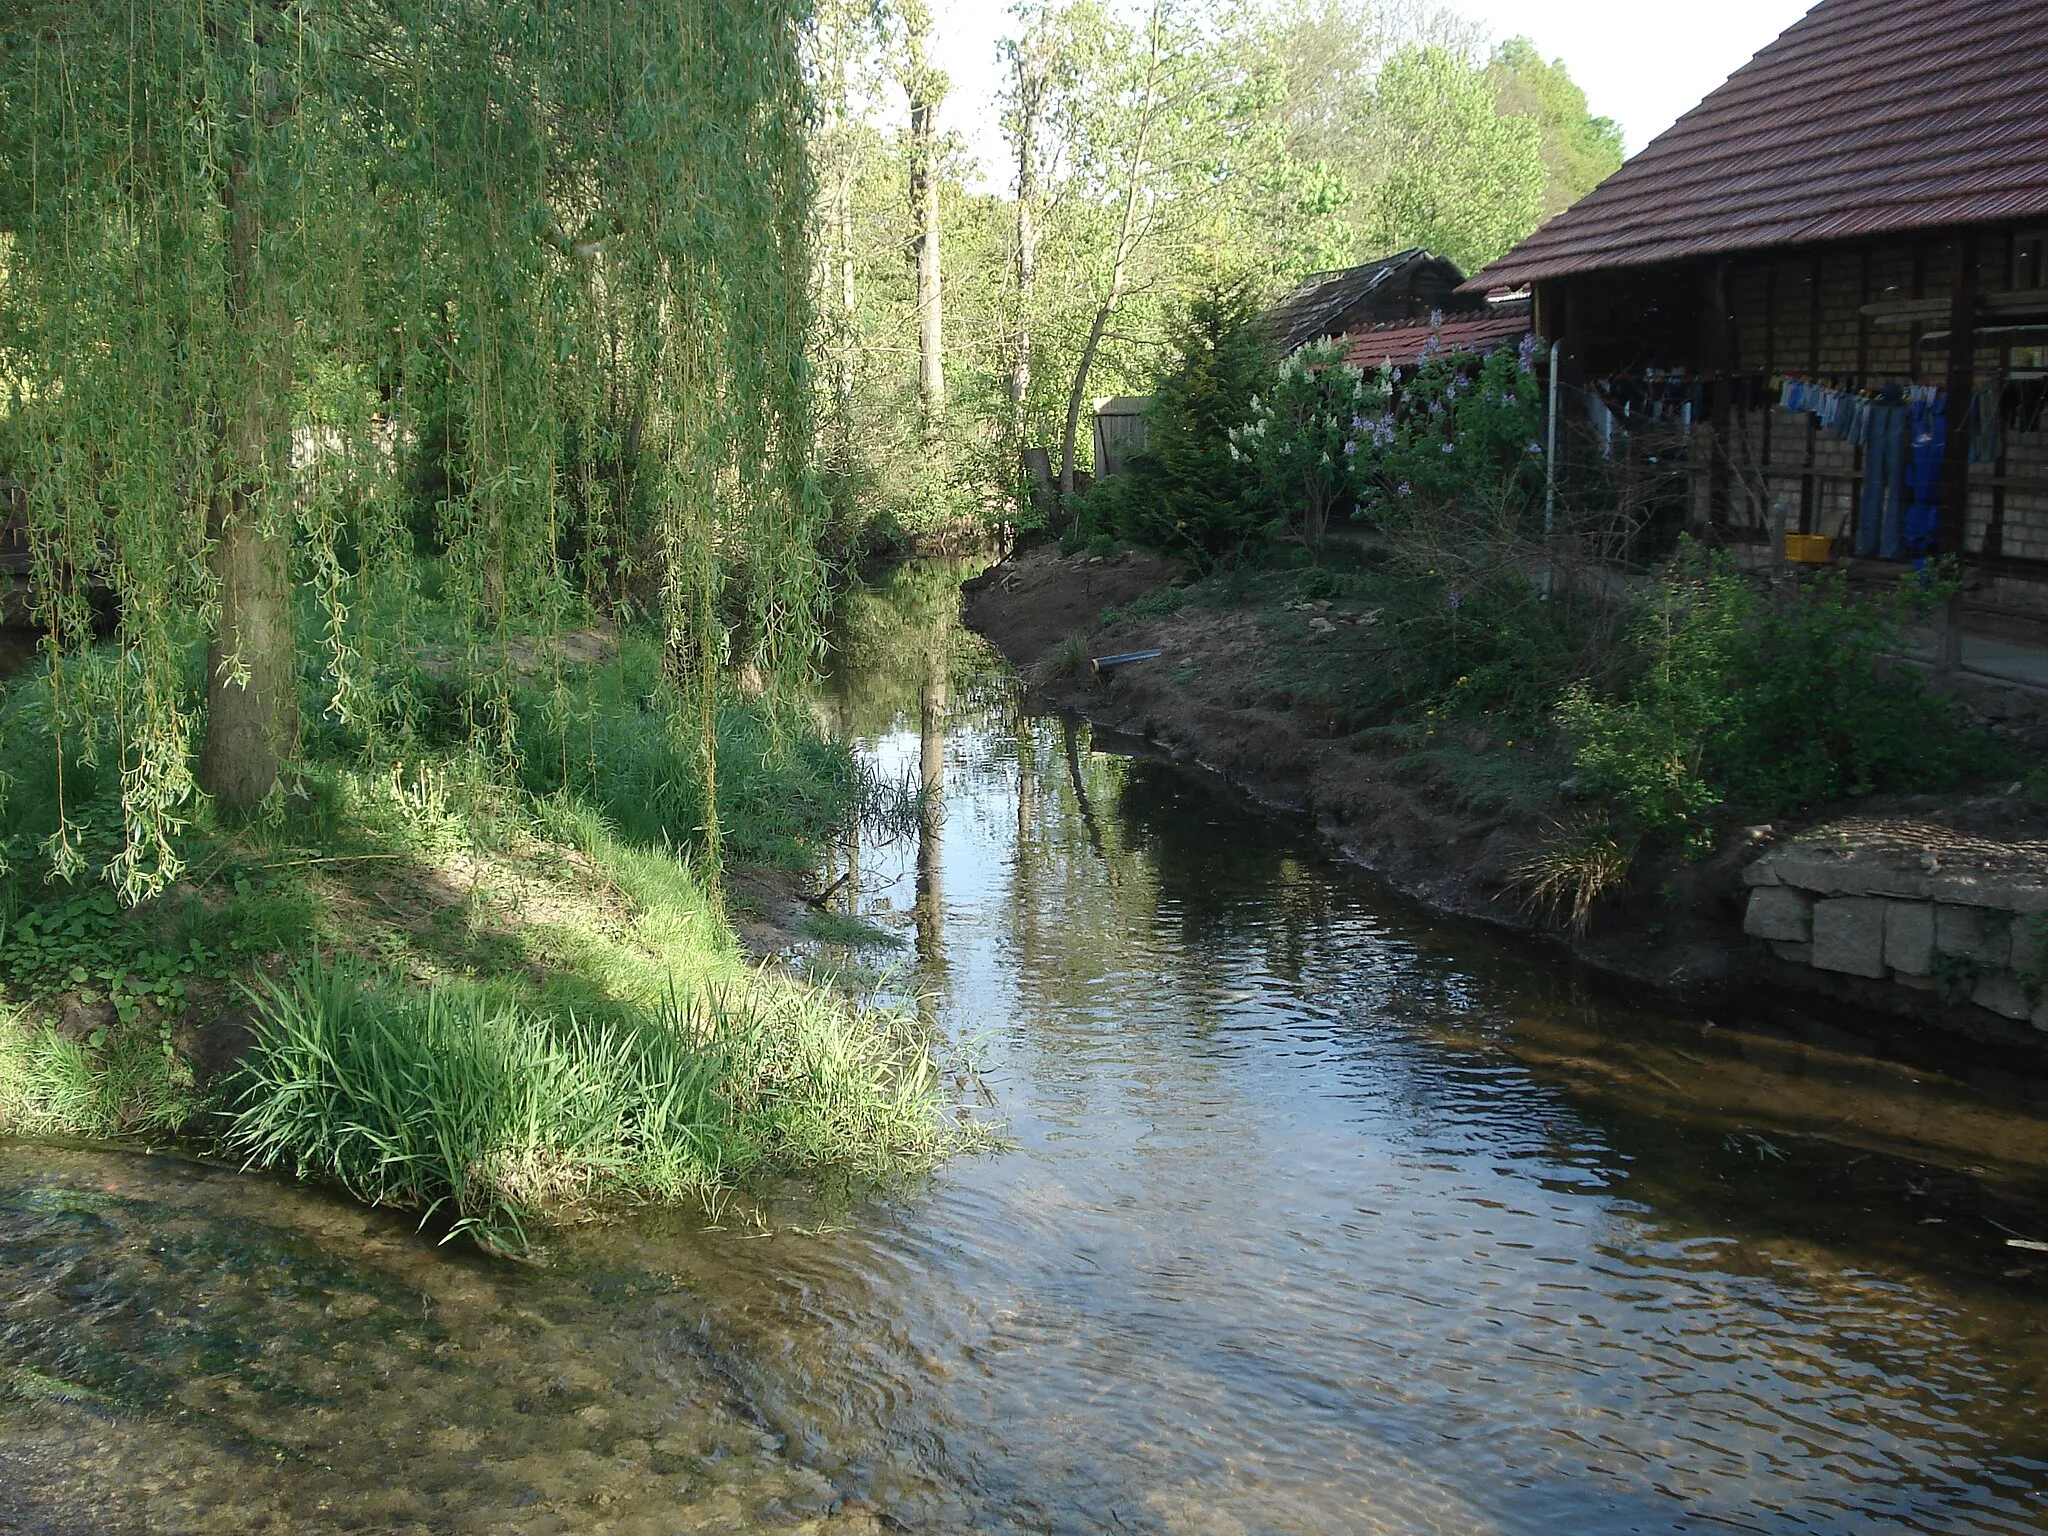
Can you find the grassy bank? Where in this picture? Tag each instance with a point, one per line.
(494, 992)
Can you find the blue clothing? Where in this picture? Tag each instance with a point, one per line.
(1880, 520)
(1923, 474)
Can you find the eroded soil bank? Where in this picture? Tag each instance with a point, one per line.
(1234, 690)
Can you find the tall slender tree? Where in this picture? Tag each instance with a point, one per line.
(1030, 70)
(925, 86)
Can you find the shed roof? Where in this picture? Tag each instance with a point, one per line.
(1400, 345)
(1864, 117)
(1322, 305)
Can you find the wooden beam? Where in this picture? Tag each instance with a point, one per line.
(2019, 301)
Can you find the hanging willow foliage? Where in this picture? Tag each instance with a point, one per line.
(257, 256)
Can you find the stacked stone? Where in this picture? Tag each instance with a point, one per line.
(1891, 900)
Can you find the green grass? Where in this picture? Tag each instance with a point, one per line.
(116, 1084)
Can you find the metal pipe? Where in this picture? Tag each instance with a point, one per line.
(1550, 468)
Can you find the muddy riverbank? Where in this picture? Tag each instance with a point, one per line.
(1224, 694)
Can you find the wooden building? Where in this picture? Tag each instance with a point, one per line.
(1858, 215)
(1406, 286)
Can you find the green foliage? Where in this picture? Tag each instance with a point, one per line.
(1189, 494)
(1302, 439)
(470, 1105)
(1774, 705)
(1579, 150)
(124, 1082)
(848, 932)
(1153, 605)
(1460, 179)
(1455, 430)
(1955, 976)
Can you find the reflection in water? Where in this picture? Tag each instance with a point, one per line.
(931, 779)
(1320, 1217)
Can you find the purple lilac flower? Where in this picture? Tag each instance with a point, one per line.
(1405, 488)
(1525, 354)
(1350, 448)
(1457, 599)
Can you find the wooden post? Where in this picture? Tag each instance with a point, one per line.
(1952, 523)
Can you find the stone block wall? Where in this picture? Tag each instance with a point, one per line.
(1918, 905)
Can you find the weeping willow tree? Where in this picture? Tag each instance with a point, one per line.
(257, 256)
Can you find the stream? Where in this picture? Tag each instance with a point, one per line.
(1315, 1214)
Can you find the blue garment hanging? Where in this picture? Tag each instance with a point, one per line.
(1928, 441)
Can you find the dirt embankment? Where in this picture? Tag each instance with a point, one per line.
(1211, 699)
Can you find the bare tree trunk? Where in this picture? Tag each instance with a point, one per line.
(1135, 188)
(926, 88)
(251, 707)
(1031, 87)
(1078, 392)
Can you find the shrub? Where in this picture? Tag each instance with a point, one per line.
(1186, 494)
(1569, 873)
(1453, 429)
(1776, 707)
(1304, 436)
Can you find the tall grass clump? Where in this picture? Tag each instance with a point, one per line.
(478, 1108)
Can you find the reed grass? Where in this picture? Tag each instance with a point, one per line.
(472, 1106)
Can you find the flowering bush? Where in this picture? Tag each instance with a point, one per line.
(1302, 439)
(1455, 426)
(1327, 436)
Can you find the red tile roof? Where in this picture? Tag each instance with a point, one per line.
(1403, 344)
(1864, 117)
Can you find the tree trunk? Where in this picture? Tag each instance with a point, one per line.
(1079, 391)
(1030, 107)
(1135, 186)
(251, 706)
(926, 88)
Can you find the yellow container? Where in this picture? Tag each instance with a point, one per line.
(1807, 549)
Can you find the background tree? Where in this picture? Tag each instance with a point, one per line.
(1280, 138)
(1579, 150)
(924, 86)
(1457, 177)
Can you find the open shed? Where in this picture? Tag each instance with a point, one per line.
(1854, 224)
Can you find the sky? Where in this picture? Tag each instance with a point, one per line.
(1640, 64)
